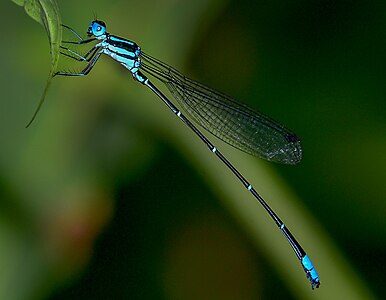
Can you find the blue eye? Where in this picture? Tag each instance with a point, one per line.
(97, 28)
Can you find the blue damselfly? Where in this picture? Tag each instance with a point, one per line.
(221, 115)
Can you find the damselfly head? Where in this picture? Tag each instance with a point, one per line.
(96, 28)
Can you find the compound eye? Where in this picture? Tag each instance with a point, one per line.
(98, 28)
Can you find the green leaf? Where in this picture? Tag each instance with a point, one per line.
(46, 12)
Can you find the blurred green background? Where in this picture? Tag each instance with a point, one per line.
(108, 196)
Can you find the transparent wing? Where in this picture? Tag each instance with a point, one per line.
(230, 121)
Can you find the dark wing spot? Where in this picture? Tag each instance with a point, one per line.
(293, 138)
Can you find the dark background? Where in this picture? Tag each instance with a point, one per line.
(108, 196)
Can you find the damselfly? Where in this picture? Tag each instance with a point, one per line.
(221, 115)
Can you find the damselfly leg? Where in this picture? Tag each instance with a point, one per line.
(91, 56)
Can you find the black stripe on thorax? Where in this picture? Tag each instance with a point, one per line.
(122, 43)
